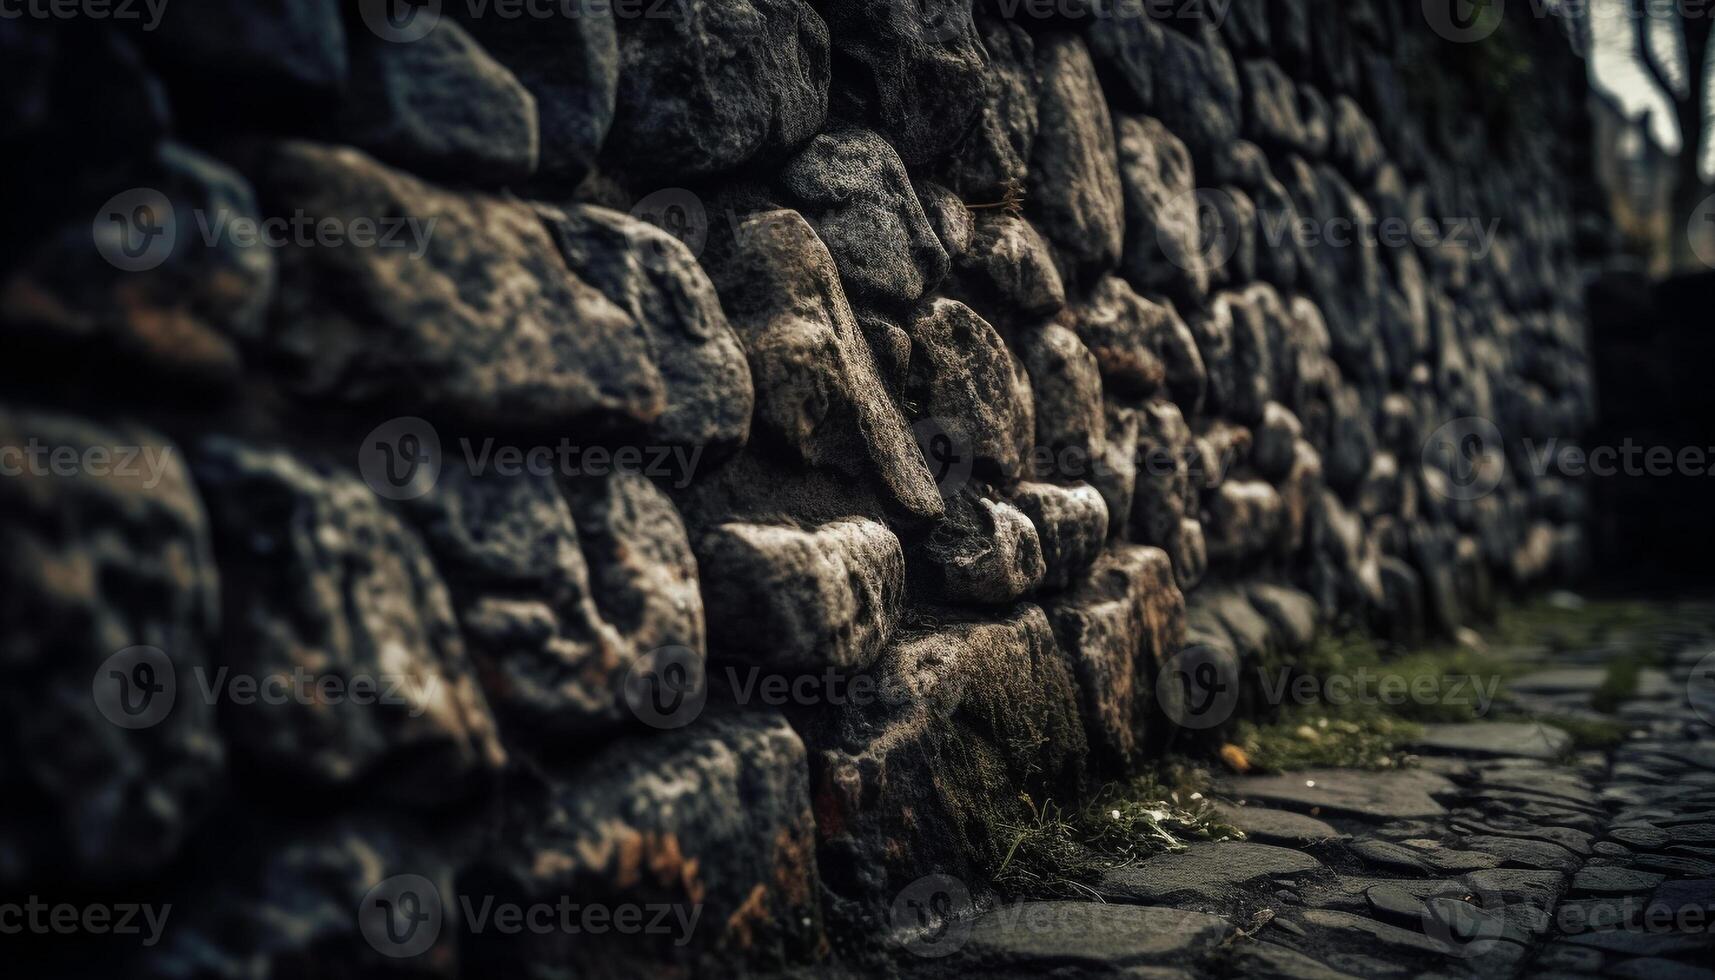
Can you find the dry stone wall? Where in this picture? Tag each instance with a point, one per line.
(723, 456)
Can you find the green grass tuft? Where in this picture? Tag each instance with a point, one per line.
(1063, 852)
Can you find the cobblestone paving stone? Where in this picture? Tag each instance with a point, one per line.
(1505, 853)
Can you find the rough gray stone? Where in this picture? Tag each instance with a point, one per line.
(188, 318)
(97, 565)
(817, 391)
(1164, 248)
(856, 194)
(571, 67)
(716, 83)
(1066, 391)
(1072, 524)
(966, 380)
(1117, 626)
(1207, 873)
(487, 324)
(319, 579)
(1075, 194)
(653, 277)
(793, 599)
(1279, 827)
(917, 72)
(441, 107)
(717, 815)
(1031, 938)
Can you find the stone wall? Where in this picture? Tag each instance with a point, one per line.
(723, 456)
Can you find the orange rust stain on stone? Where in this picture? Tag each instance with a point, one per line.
(741, 925)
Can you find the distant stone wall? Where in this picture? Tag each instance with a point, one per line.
(723, 459)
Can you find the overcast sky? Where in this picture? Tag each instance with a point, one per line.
(1615, 68)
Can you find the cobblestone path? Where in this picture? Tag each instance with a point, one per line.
(1504, 853)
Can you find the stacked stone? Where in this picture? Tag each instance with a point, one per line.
(971, 410)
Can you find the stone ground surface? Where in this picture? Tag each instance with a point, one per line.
(1505, 852)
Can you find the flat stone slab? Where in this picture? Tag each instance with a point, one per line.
(1655, 968)
(1529, 853)
(1346, 929)
(1257, 959)
(1266, 825)
(1090, 935)
(1492, 739)
(1373, 796)
(1614, 881)
(1561, 680)
(1210, 872)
